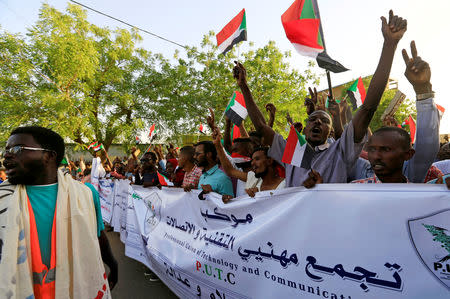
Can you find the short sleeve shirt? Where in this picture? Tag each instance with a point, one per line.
(332, 162)
(219, 181)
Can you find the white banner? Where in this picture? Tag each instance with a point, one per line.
(106, 196)
(335, 241)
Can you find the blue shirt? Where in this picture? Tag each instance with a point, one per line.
(43, 202)
(218, 180)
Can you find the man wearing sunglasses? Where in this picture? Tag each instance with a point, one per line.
(49, 224)
(147, 174)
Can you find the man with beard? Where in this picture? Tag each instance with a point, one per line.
(212, 179)
(241, 151)
(51, 225)
(263, 174)
(332, 161)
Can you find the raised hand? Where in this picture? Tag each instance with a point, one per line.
(217, 136)
(289, 119)
(334, 108)
(390, 121)
(417, 71)
(394, 28)
(211, 120)
(343, 107)
(311, 101)
(271, 108)
(240, 74)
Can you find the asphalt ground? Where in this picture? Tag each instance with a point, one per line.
(132, 281)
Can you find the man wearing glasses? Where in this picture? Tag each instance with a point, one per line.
(50, 224)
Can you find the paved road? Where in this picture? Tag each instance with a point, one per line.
(132, 283)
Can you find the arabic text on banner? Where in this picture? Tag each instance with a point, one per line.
(335, 241)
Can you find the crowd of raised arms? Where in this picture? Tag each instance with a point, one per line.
(342, 149)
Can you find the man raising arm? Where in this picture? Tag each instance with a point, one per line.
(332, 161)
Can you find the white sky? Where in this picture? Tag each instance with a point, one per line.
(352, 30)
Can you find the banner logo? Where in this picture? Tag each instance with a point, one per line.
(153, 214)
(430, 236)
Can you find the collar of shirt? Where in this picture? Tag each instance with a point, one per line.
(322, 147)
(211, 170)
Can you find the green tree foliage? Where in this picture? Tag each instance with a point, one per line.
(204, 79)
(405, 109)
(95, 84)
(74, 77)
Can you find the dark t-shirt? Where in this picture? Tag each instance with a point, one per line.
(151, 178)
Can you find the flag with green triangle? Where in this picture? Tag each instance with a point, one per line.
(301, 22)
(234, 32)
(297, 151)
(236, 110)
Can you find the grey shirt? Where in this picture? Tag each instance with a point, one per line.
(332, 162)
(426, 146)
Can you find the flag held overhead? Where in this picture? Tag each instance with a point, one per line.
(234, 32)
(357, 93)
(301, 22)
(152, 130)
(236, 110)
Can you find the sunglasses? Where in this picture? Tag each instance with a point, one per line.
(15, 150)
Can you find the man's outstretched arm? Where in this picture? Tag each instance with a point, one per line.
(393, 31)
(255, 114)
(418, 73)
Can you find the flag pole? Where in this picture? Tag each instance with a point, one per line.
(223, 114)
(330, 87)
(316, 9)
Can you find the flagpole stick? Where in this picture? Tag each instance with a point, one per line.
(330, 87)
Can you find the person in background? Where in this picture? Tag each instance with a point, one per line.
(192, 172)
(443, 159)
(213, 179)
(147, 174)
(241, 150)
(174, 173)
(2, 174)
(263, 175)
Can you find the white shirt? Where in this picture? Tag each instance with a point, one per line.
(253, 181)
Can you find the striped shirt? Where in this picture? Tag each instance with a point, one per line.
(192, 177)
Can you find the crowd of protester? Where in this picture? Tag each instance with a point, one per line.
(343, 149)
